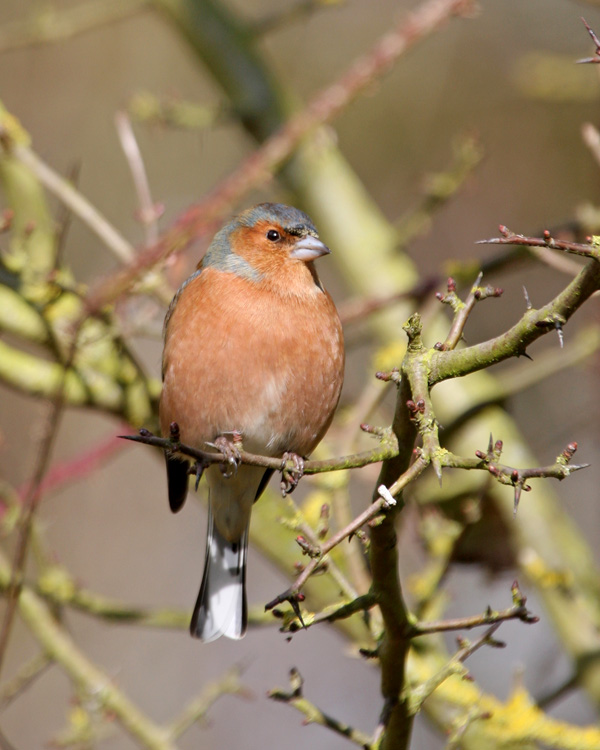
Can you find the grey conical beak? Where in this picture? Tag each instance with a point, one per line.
(309, 248)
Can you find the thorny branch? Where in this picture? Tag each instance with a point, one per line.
(591, 249)
(313, 715)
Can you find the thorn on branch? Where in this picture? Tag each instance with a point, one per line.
(293, 599)
(518, 478)
(369, 653)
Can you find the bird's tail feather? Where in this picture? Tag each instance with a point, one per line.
(221, 607)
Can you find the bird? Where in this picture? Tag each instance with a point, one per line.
(253, 348)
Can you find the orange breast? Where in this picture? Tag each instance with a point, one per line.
(239, 356)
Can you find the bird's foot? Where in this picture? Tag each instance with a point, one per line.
(292, 470)
(230, 448)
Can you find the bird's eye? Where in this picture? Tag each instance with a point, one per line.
(273, 235)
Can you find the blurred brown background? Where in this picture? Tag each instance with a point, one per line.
(115, 530)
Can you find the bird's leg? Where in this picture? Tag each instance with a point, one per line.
(230, 448)
(291, 475)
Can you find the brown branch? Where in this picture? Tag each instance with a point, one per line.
(202, 218)
(386, 449)
(461, 309)
(313, 715)
(514, 342)
(589, 250)
(419, 695)
(509, 475)
(596, 58)
(382, 503)
(517, 612)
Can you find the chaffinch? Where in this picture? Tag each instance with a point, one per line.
(253, 344)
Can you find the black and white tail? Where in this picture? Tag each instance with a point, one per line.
(221, 607)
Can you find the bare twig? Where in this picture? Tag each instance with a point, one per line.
(517, 612)
(596, 58)
(589, 250)
(367, 515)
(514, 342)
(386, 449)
(148, 210)
(455, 666)
(313, 715)
(84, 210)
(462, 310)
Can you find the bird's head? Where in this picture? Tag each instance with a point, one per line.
(266, 241)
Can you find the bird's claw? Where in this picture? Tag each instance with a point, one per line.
(230, 450)
(291, 475)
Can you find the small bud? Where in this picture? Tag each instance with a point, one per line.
(420, 406)
(515, 475)
(438, 346)
(144, 432)
(451, 284)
